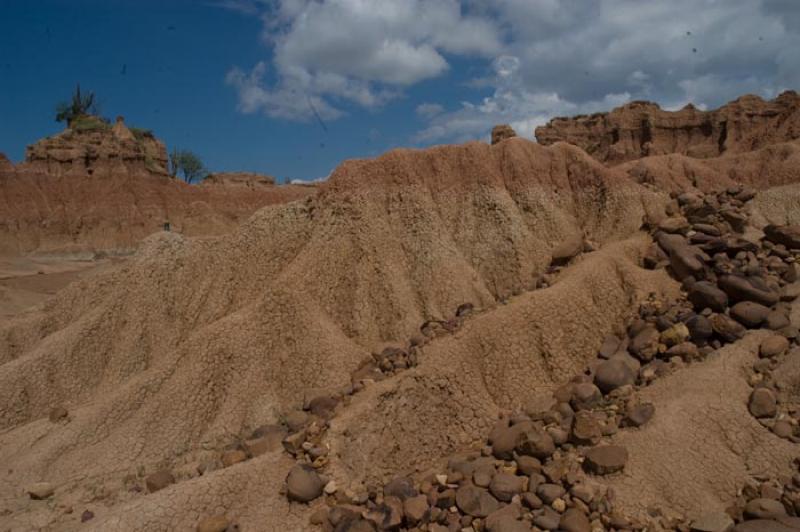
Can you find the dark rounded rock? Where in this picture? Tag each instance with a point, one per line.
(788, 235)
(727, 328)
(644, 345)
(303, 484)
(535, 442)
(743, 289)
(550, 492)
(764, 509)
(706, 295)
(605, 459)
(612, 374)
(611, 345)
(400, 487)
(749, 314)
(585, 396)
(640, 413)
(776, 320)
(574, 520)
(763, 403)
(475, 501)
(504, 486)
(159, 480)
(528, 464)
(700, 329)
(773, 345)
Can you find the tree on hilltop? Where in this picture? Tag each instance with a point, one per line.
(81, 104)
(187, 163)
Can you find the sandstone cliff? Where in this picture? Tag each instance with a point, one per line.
(98, 188)
(91, 146)
(246, 179)
(641, 129)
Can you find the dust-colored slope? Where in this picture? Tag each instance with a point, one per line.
(194, 340)
(703, 445)
(771, 166)
(69, 214)
(511, 357)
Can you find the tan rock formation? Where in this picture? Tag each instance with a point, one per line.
(90, 146)
(502, 132)
(245, 179)
(641, 129)
(98, 188)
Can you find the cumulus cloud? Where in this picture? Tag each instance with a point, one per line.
(358, 51)
(429, 110)
(577, 56)
(513, 103)
(531, 59)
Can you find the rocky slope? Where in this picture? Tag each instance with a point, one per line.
(353, 361)
(103, 189)
(642, 129)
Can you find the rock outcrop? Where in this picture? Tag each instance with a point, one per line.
(243, 179)
(5, 164)
(101, 188)
(641, 129)
(92, 146)
(502, 132)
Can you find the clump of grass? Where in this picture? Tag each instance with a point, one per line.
(141, 133)
(89, 123)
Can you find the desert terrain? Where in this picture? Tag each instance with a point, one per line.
(592, 332)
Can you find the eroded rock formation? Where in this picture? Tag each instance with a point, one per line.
(641, 129)
(246, 179)
(93, 147)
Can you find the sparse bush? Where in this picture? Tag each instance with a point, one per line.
(188, 164)
(142, 134)
(89, 123)
(81, 105)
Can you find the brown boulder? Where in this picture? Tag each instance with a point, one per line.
(159, 480)
(742, 289)
(605, 459)
(727, 328)
(535, 442)
(763, 403)
(773, 346)
(416, 509)
(788, 235)
(764, 509)
(504, 486)
(644, 345)
(502, 132)
(749, 314)
(303, 484)
(585, 396)
(706, 295)
(612, 374)
(475, 501)
(567, 250)
(574, 520)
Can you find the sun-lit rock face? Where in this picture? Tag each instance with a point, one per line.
(92, 146)
(640, 129)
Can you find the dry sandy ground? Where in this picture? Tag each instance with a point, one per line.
(165, 359)
(29, 281)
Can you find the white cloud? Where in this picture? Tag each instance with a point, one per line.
(291, 100)
(530, 59)
(361, 51)
(429, 110)
(512, 103)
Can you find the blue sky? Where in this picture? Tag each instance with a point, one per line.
(246, 83)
